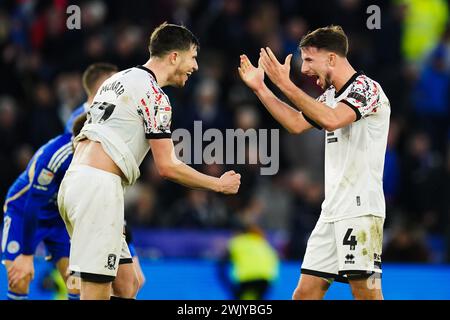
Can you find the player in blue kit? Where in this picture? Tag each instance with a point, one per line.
(31, 212)
(31, 216)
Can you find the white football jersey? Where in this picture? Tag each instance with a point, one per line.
(128, 109)
(354, 155)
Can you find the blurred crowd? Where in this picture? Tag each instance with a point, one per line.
(40, 84)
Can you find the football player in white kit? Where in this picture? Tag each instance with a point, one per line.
(130, 114)
(346, 243)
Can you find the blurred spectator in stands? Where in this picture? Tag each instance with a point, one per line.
(22, 156)
(70, 93)
(93, 15)
(306, 208)
(432, 99)
(8, 125)
(276, 203)
(129, 47)
(207, 107)
(94, 49)
(48, 34)
(250, 265)
(199, 210)
(406, 244)
(385, 61)
(11, 137)
(165, 192)
(421, 178)
(11, 165)
(43, 121)
(294, 29)
(222, 26)
(140, 206)
(424, 23)
(246, 156)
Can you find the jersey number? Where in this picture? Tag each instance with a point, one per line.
(99, 112)
(350, 240)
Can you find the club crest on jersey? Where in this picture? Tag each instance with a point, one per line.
(13, 247)
(111, 262)
(45, 177)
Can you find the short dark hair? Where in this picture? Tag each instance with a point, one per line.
(94, 72)
(168, 37)
(331, 38)
(78, 124)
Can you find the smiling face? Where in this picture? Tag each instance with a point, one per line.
(318, 63)
(185, 64)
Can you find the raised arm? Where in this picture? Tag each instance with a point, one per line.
(291, 119)
(326, 117)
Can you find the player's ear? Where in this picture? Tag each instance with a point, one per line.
(173, 57)
(332, 59)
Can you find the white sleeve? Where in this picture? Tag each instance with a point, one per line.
(363, 97)
(156, 112)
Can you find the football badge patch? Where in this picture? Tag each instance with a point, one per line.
(111, 262)
(13, 247)
(165, 117)
(45, 177)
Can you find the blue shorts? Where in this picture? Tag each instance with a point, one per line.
(52, 232)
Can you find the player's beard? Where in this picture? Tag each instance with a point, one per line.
(328, 82)
(176, 79)
(324, 82)
(180, 78)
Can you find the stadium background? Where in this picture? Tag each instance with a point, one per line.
(181, 234)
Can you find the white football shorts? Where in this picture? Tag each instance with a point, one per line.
(91, 203)
(346, 249)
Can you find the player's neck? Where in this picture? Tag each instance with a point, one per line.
(342, 75)
(160, 71)
(90, 99)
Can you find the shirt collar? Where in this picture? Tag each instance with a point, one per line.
(148, 70)
(349, 82)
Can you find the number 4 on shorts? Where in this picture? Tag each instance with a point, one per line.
(349, 239)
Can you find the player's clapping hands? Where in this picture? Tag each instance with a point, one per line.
(278, 73)
(253, 77)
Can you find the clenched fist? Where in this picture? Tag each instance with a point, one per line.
(230, 182)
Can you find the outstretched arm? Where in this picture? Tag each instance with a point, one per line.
(169, 167)
(326, 117)
(291, 119)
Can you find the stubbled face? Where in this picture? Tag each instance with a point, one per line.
(316, 63)
(186, 64)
